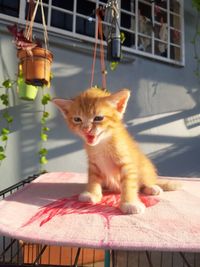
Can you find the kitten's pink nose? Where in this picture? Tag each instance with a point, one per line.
(86, 129)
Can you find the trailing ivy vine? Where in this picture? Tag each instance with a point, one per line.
(6, 119)
(44, 132)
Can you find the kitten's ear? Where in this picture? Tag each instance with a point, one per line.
(119, 100)
(63, 104)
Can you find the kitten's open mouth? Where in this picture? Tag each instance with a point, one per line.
(90, 138)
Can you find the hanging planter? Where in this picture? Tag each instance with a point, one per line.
(36, 63)
(26, 91)
(112, 32)
(36, 68)
(35, 60)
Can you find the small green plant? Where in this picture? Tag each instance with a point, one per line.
(44, 131)
(6, 119)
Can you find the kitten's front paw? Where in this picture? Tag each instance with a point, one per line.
(152, 190)
(89, 197)
(132, 208)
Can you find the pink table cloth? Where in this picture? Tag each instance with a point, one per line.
(47, 211)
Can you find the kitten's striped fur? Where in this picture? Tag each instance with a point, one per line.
(114, 158)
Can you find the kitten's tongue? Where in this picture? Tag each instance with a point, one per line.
(90, 138)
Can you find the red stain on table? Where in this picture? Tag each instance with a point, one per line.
(107, 208)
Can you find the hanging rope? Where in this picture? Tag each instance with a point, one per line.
(31, 17)
(99, 33)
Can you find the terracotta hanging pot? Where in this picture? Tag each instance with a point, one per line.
(36, 66)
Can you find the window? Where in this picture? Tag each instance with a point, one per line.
(152, 28)
(9, 7)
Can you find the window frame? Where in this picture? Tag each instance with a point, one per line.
(127, 50)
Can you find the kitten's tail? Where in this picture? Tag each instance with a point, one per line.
(169, 185)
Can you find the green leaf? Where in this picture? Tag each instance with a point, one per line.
(3, 96)
(4, 138)
(113, 65)
(1, 149)
(43, 121)
(43, 160)
(4, 99)
(7, 117)
(44, 137)
(43, 151)
(7, 84)
(5, 131)
(2, 156)
(45, 114)
(122, 37)
(45, 129)
(45, 99)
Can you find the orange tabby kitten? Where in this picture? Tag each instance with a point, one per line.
(115, 160)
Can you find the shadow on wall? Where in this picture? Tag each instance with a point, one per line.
(180, 159)
(173, 155)
(22, 148)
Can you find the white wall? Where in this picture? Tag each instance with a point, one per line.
(165, 99)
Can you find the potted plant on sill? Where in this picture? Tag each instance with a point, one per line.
(35, 60)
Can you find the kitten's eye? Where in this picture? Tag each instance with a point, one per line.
(98, 118)
(77, 119)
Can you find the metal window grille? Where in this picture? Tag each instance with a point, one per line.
(152, 29)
